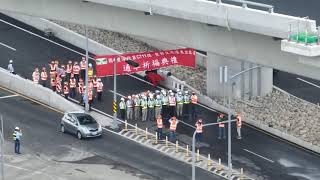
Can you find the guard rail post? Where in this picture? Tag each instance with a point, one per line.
(209, 161)
(146, 133)
(166, 141)
(136, 129)
(177, 146)
(198, 155)
(126, 125)
(187, 151)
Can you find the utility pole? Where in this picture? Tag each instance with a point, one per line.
(2, 159)
(86, 72)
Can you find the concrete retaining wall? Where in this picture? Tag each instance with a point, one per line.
(35, 91)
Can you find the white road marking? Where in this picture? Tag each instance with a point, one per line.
(210, 109)
(30, 170)
(117, 93)
(308, 82)
(42, 37)
(7, 46)
(9, 96)
(258, 155)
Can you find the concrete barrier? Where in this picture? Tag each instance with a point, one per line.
(35, 91)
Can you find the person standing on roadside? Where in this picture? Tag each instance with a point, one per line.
(10, 67)
(173, 127)
(221, 125)
(199, 130)
(44, 77)
(239, 124)
(159, 126)
(17, 134)
(36, 76)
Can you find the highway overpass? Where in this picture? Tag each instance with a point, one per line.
(232, 35)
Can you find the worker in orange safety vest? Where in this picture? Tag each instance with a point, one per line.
(69, 70)
(90, 98)
(159, 126)
(76, 70)
(194, 102)
(239, 124)
(173, 127)
(53, 70)
(221, 125)
(73, 86)
(36, 76)
(99, 89)
(83, 65)
(66, 90)
(44, 77)
(199, 130)
(58, 85)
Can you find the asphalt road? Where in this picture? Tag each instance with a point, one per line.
(261, 155)
(40, 127)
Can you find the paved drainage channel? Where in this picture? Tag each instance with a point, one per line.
(179, 152)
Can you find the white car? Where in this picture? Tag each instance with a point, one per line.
(81, 124)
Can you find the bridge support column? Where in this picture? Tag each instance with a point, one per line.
(257, 82)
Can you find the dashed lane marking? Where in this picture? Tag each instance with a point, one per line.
(9, 96)
(258, 155)
(7, 46)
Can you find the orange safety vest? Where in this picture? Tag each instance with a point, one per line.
(65, 89)
(69, 68)
(194, 99)
(83, 65)
(173, 125)
(76, 69)
(239, 121)
(172, 101)
(199, 128)
(53, 67)
(44, 76)
(159, 123)
(73, 83)
(35, 77)
(90, 85)
(90, 95)
(99, 87)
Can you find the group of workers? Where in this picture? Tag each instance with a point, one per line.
(69, 80)
(148, 105)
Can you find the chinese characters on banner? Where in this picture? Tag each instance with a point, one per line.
(147, 61)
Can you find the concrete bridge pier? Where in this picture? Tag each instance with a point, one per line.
(257, 82)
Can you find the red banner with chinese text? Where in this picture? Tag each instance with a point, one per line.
(147, 61)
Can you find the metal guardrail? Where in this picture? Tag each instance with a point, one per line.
(245, 4)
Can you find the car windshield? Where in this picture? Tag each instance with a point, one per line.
(85, 119)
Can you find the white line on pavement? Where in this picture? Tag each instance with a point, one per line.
(117, 93)
(4, 97)
(308, 82)
(258, 155)
(42, 37)
(7, 46)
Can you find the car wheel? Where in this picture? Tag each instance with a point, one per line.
(79, 135)
(62, 129)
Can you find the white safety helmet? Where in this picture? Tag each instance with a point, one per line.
(164, 92)
(11, 61)
(144, 97)
(180, 93)
(178, 90)
(170, 91)
(151, 95)
(90, 65)
(122, 99)
(98, 79)
(186, 92)
(17, 128)
(158, 96)
(157, 91)
(129, 97)
(172, 94)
